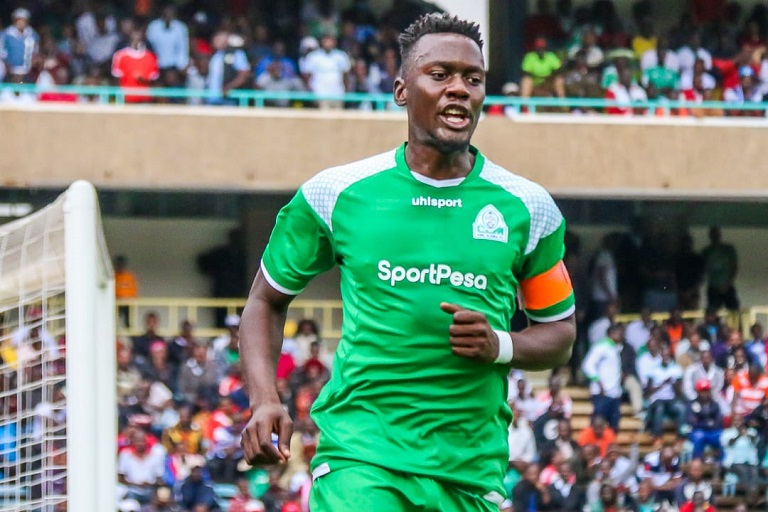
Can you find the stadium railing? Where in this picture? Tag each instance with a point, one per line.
(255, 98)
(328, 314)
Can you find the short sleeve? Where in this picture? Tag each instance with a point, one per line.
(299, 248)
(241, 61)
(529, 64)
(544, 281)
(554, 62)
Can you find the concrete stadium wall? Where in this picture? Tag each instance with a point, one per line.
(254, 149)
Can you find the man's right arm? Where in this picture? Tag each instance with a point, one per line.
(261, 339)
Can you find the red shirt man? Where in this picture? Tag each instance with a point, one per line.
(135, 67)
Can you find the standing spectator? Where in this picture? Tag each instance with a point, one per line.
(228, 69)
(602, 367)
(740, 446)
(690, 348)
(142, 343)
(194, 492)
(645, 39)
(102, 46)
(530, 494)
(638, 332)
(225, 350)
(598, 329)
(663, 469)
(688, 77)
(18, 43)
(721, 267)
(598, 434)
(198, 376)
(325, 71)
(689, 274)
(630, 382)
(749, 389)
(126, 286)
(705, 420)
(665, 394)
(624, 92)
(542, 74)
(169, 38)
(694, 483)
(660, 57)
(693, 51)
(604, 276)
(277, 55)
(135, 67)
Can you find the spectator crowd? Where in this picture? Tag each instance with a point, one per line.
(208, 48)
(715, 51)
(182, 406)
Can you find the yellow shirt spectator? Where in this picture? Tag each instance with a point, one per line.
(540, 66)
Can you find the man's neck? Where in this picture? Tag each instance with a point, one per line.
(434, 164)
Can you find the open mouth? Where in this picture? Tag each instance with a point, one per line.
(456, 117)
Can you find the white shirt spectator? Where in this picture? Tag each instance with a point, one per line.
(653, 469)
(602, 366)
(594, 55)
(598, 330)
(686, 58)
(326, 71)
(650, 59)
(686, 81)
(737, 95)
(665, 376)
(696, 372)
(102, 47)
(637, 334)
(645, 364)
(170, 43)
(142, 470)
(604, 265)
(522, 443)
(216, 69)
(86, 26)
(742, 451)
(624, 97)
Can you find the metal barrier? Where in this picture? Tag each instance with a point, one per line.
(257, 98)
(172, 312)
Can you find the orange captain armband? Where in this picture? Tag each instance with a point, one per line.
(547, 289)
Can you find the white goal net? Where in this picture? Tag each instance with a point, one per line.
(56, 356)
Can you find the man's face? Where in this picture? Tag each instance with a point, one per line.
(667, 454)
(564, 430)
(328, 43)
(706, 358)
(598, 427)
(443, 88)
(705, 395)
(150, 323)
(21, 23)
(696, 470)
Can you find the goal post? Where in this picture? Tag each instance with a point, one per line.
(90, 334)
(57, 359)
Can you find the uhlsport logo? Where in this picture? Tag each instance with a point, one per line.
(489, 225)
(435, 274)
(435, 202)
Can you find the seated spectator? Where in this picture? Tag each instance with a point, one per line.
(608, 500)
(693, 483)
(675, 328)
(586, 464)
(178, 464)
(580, 81)
(554, 392)
(550, 464)
(739, 362)
(278, 56)
(225, 349)
(162, 501)
(689, 349)
(692, 52)
(566, 495)
(757, 345)
(142, 343)
(592, 54)
(705, 420)
(645, 499)
(228, 70)
(194, 492)
(624, 93)
(603, 367)
(660, 57)
(158, 368)
(697, 71)
(180, 347)
(665, 395)
(749, 389)
(663, 470)
(522, 448)
(745, 92)
(186, 432)
(542, 74)
(758, 420)
(598, 434)
(698, 94)
(521, 395)
(198, 375)
(697, 504)
(273, 80)
(705, 369)
(530, 493)
(618, 471)
(564, 442)
(740, 446)
(243, 501)
(140, 468)
(225, 451)
(233, 381)
(638, 332)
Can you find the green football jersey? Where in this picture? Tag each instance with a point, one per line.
(404, 243)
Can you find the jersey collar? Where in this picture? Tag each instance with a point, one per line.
(402, 166)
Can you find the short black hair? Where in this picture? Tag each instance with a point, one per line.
(436, 23)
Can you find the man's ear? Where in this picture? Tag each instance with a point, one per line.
(400, 92)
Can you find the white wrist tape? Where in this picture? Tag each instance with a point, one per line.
(506, 349)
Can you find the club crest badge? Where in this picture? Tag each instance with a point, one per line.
(489, 225)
